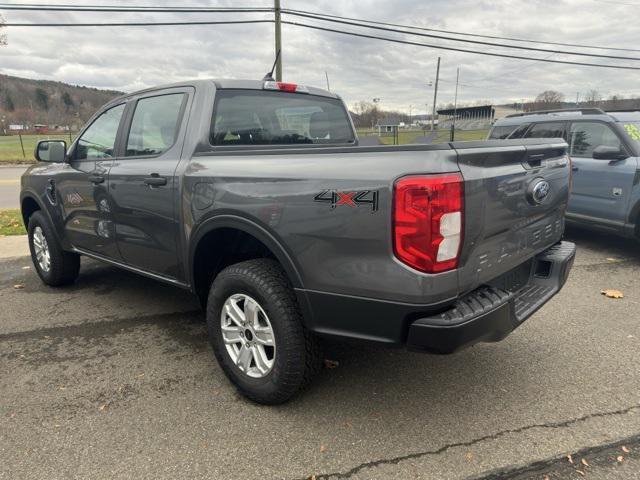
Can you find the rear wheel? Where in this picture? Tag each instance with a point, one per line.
(255, 329)
(54, 266)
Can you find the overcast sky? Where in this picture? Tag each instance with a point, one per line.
(130, 58)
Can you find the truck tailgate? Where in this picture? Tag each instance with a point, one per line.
(516, 193)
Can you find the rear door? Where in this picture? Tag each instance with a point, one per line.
(143, 185)
(515, 196)
(601, 189)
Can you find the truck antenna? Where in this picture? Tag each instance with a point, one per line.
(269, 75)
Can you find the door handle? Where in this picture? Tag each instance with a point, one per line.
(155, 180)
(95, 179)
(574, 168)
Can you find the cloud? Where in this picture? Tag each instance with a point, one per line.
(359, 69)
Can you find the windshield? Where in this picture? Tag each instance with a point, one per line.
(258, 117)
(633, 130)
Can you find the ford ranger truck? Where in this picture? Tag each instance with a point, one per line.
(256, 196)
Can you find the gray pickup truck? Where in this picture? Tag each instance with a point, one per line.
(255, 196)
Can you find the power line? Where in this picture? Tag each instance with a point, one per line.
(343, 32)
(475, 42)
(450, 32)
(456, 49)
(135, 24)
(169, 9)
(136, 9)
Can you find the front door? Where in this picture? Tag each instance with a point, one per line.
(143, 183)
(81, 187)
(601, 189)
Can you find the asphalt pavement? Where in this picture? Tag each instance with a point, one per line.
(10, 186)
(113, 378)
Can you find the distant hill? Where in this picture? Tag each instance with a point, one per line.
(27, 102)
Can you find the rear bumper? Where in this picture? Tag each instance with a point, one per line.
(490, 313)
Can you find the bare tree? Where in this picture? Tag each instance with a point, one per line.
(3, 36)
(593, 98)
(615, 102)
(549, 100)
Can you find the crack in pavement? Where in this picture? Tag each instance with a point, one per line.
(493, 436)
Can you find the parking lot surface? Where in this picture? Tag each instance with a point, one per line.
(113, 378)
(10, 186)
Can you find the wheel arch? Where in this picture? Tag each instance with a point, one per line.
(248, 229)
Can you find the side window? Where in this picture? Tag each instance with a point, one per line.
(546, 130)
(520, 131)
(98, 141)
(155, 125)
(585, 136)
(499, 133)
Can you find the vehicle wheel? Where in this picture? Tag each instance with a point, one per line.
(255, 329)
(54, 266)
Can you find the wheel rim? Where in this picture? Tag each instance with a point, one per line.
(41, 248)
(248, 335)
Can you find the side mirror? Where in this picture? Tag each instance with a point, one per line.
(54, 151)
(604, 152)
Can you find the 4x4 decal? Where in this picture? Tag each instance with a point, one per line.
(350, 199)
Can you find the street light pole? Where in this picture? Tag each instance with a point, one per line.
(278, 36)
(435, 97)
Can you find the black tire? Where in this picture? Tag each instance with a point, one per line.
(64, 266)
(297, 358)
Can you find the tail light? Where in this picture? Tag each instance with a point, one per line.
(427, 221)
(285, 87)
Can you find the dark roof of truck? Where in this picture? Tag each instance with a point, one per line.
(569, 114)
(223, 83)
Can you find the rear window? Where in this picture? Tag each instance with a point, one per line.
(499, 133)
(253, 117)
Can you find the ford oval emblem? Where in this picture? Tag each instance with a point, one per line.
(540, 191)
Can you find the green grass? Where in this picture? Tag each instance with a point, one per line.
(442, 136)
(11, 222)
(11, 152)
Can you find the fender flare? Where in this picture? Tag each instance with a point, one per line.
(252, 228)
(30, 194)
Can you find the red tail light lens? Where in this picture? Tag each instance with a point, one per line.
(285, 87)
(427, 221)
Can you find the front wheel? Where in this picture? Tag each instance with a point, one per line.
(255, 329)
(54, 266)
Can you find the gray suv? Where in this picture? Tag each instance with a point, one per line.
(605, 153)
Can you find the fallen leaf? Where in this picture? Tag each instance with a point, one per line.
(580, 472)
(546, 477)
(612, 293)
(619, 458)
(26, 268)
(570, 458)
(323, 448)
(19, 286)
(469, 456)
(312, 477)
(625, 449)
(584, 462)
(102, 407)
(140, 375)
(611, 259)
(331, 364)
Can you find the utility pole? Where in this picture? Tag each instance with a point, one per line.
(577, 99)
(435, 97)
(326, 75)
(278, 40)
(455, 105)
(410, 108)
